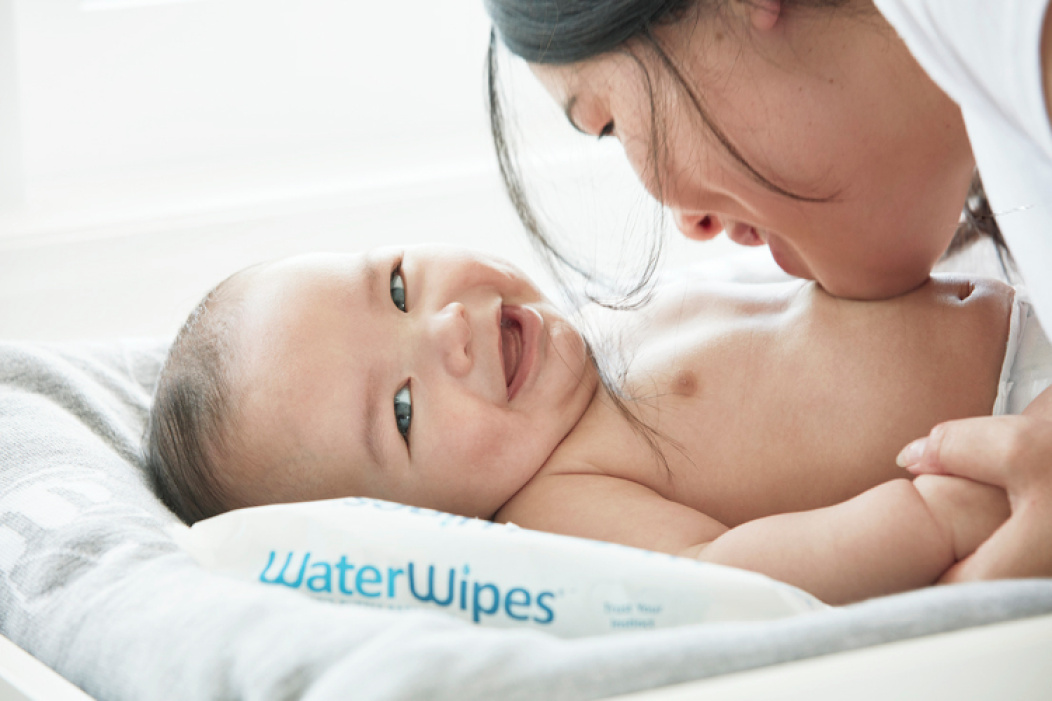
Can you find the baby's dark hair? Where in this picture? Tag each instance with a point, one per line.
(192, 423)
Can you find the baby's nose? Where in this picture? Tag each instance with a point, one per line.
(451, 335)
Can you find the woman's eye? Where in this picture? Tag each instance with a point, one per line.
(607, 130)
(403, 403)
(398, 288)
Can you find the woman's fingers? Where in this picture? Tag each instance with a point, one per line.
(981, 448)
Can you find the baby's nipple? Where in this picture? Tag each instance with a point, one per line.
(685, 383)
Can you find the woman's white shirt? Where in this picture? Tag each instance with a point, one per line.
(986, 55)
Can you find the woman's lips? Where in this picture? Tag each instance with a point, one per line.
(784, 256)
(520, 331)
(745, 235)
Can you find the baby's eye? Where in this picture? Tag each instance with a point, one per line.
(403, 405)
(398, 288)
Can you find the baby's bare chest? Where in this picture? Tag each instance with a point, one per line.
(740, 430)
(749, 415)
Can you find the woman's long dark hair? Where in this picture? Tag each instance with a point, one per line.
(978, 223)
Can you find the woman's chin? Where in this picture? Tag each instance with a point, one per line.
(787, 259)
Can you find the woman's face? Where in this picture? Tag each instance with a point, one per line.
(827, 106)
(431, 376)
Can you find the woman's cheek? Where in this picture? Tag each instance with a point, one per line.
(644, 164)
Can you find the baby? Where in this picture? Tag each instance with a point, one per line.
(760, 426)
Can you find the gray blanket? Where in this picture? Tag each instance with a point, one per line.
(92, 585)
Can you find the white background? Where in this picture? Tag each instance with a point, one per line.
(148, 148)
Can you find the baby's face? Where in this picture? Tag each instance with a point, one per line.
(430, 376)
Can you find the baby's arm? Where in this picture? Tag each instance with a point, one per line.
(896, 536)
(968, 512)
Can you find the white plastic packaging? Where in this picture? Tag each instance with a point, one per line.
(377, 553)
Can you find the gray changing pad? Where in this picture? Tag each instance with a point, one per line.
(92, 585)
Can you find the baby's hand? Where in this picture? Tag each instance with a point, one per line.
(968, 512)
(1011, 452)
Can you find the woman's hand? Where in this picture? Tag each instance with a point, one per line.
(1012, 452)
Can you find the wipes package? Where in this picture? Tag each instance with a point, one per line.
(377, 553)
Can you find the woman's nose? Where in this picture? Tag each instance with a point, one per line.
(450, 335)
(698, 226)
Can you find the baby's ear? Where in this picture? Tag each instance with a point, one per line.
(764, 14)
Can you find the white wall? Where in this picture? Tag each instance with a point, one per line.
(148, 148)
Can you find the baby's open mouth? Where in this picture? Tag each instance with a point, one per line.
(510, 346)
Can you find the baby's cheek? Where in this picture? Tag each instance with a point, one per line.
(578, 373)
(473, 432)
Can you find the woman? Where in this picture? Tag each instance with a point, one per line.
(843, 134)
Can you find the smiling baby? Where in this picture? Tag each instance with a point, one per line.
(757, 425)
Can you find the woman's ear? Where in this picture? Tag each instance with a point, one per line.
(764, 14)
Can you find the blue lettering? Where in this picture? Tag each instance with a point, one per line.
(486, 599)
(431, 586)
(322, 581)
(374, 578)
(543, 604)
(516, 597)
(280, 579)
(451, 519)
(392, 573)
(476, 609)
(344, 567)
(381, 505)
(464, 590)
